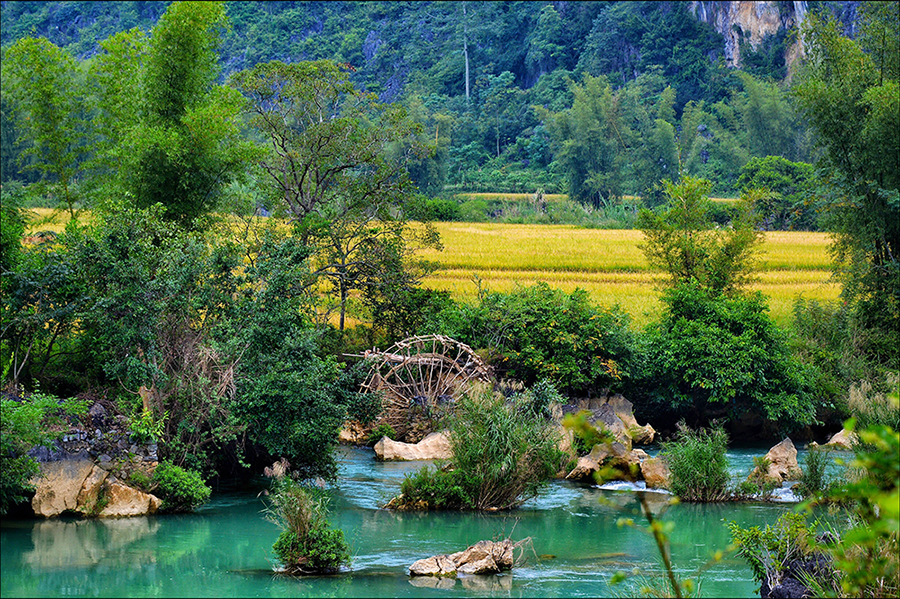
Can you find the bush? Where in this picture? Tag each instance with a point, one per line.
(815, 481)
(382, 430)
(503, 454)
(306, 544)
(772, 551)
(180, 490)
(698, 464)
(540, 333)
(713, 355)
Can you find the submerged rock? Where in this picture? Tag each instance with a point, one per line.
(435, 446)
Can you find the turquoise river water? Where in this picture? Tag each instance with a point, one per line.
(224, 549)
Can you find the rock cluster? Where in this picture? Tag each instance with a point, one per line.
(615, 413)
(79, 485)
(484, 557)
(83, 471)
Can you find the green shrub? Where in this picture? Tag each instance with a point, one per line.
(306, 544)
(503, 454)
(382, 430)
(438, 489)
(543, 333)
(180, 490)
(712, 353)
(770, 550)
(698, 464)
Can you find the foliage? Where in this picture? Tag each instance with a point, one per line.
(698, 464)
(43, 84)
(306, 544)
(815, 481)
(147, 429)
(682, 241)
(503, 454)
(771, 550)
(188, 142)
(787, 204)
(850, 93)
(539, 333)
(292, 400)
(382, 430)
(330, 171)
(180, 490)
(25, 423)
(867, 555)
(713, 356)
(155, 297)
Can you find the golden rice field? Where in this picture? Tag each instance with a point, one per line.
(607, 263)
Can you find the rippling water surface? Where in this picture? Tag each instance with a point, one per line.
(224, 549)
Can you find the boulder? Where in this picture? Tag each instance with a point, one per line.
(484, 557)
(624, 409)
(656, 473)
(353, 433)
(439, 565)
(842, 440)
(58, 486)
(783, 464)
(611, 422)
(434, 446)
(91, 489)
(123, 500)
(614, 455)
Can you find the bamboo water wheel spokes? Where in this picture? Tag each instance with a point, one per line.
(419, 374)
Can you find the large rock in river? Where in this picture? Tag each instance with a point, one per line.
(656, 473)
(484, 557)
(783, 465)
(613, 455)
(842, 440)
(435, 446)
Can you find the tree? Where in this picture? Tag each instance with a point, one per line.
(329, 166)
(44, 84)
(787, 203)
(682, 240)
(188, 141)
(850, 93)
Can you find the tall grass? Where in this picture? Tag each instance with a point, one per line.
(697, 461)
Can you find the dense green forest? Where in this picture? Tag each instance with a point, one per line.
(513, 95)
(224, 336)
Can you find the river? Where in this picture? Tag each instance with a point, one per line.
(224, 548)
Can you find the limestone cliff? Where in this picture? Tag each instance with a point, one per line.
(751, 20)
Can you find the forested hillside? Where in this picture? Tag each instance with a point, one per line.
(514, 94)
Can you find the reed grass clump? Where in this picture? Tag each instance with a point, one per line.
(307, 543)
(698, 464)
(504, 451)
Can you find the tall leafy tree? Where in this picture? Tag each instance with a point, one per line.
(330, 171)
(682, 239)
(850, 93)
(188, 143)
(45, 87)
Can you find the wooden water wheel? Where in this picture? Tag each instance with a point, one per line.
(420, 375)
